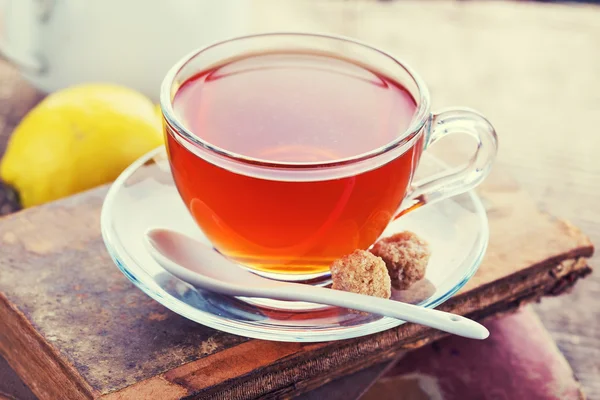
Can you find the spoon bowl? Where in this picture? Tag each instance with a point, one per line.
(184, 251)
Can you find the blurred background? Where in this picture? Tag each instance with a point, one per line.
(532, 67)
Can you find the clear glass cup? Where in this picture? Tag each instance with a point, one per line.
(256, 184)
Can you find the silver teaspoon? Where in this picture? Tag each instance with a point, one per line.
(199, 265)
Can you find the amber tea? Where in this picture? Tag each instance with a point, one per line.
(293, 108)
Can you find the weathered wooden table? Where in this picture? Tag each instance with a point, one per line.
(532, 68)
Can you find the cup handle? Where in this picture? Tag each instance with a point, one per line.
(461, 179)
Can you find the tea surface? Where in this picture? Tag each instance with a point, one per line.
(294, 107)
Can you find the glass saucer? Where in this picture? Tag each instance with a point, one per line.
(144, 196)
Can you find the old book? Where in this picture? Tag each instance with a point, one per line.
(72, 326)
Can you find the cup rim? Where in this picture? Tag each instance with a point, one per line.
(167, 91)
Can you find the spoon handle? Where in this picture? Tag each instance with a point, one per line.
(444, 321)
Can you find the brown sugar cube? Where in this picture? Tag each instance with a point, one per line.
(405, 255)
(361, 272)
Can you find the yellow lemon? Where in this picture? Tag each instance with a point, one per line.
(78, 138)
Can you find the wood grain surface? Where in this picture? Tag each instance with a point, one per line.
(72, 326)
(531, 68)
